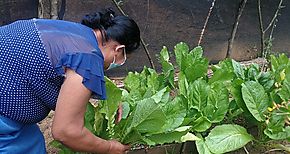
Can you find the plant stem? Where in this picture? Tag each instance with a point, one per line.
(247, 152)
(142, 41)
(279, 147)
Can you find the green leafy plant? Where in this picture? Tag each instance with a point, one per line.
(218, 109)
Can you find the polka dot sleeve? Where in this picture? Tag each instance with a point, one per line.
(89, 66)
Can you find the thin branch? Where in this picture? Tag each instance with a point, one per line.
(268, 46)
(206, 21)
(119, 8)
(261, 25)
(231, 41)
(275, 16)
(271, 24)
(142, 41)
(260, 16)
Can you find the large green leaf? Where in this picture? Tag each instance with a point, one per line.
(167, 68)
(182, 84)
(221, 75)
(180, 50)
(252, 72)
(255, 98)
(279, 135)
(265, 79)
(197, 52)
(287, 73)
(201, 124)
(175, 112)
(133, 84)
(238, 69)
(90, 117)
(217, 104)
(279, 61)
(196, 69)
(132, 81)
(236, 91)
(133, 137)
(100, 124)
(110, 106)
(161, 96)
(284, 93)
(226, 138)
(201, 146)
(148, 117)
(152, 80)
(178, 135)
(222, 72)
(192, 64)
(280, 67)
(198, 94)
(276, 127)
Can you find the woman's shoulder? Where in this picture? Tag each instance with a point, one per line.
(60, 25)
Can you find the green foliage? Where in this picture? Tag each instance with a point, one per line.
(191, 63)
(201, 146)
(157, 110)
(256, 99)
(226, 138)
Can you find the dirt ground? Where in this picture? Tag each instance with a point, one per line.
(45, 127)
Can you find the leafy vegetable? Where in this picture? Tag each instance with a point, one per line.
(157, 110)
(256, 99)
(227, 138)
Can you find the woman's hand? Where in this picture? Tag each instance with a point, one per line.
(117, 148)
(68, 123)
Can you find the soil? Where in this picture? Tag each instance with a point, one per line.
(45, 127)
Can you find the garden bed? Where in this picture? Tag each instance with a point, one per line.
(208, 119)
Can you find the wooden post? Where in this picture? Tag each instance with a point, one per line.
(235, 28)
(54, 9)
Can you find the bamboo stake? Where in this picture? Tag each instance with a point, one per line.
(205, 23)
(142, 41)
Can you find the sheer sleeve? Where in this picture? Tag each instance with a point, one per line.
(89, 66)
(72, 45)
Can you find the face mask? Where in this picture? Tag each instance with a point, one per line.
(114, 65)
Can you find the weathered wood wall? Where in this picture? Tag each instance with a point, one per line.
(164, 22)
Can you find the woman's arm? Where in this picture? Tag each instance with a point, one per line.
(68, 124)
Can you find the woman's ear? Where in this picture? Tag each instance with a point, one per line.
(120, 48)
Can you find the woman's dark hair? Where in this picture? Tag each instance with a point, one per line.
(118, 28)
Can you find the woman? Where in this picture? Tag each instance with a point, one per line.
(58, 65)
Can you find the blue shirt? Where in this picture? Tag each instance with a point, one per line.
(33, 56)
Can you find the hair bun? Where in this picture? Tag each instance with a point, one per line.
(99, 20)
(107, 18)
